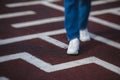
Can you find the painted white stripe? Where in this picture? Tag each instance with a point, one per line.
(54, 6)
(104, 22)
(26, 57)
(28, 3)
(107, 65)
(116, 12)
(17, 39)
(37, 22)
(70, 64)
(85, 61)
(3, 78)
(105, 40)
(104, 11)
(54, 41)
(100, 2)
(95, 37)
(44, 21)
(94, 19)
(57, 19)
(16, 14)
(61, 8)
(56, 32)
(29, 37)
(47, 67)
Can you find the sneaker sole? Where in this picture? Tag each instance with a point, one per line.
(76, 53)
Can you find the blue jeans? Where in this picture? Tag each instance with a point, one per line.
(76, 16)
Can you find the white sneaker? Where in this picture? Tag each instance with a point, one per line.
(73, 47)
(84, 35)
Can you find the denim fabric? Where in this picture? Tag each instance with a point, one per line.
(76, 16)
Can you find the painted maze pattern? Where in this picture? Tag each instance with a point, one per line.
(33, 42)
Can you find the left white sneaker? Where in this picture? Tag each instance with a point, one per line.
(73, 47)
(84, 35)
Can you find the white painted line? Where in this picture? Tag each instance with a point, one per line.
(37, 22)
(105, 40)
(17, 39)
(100, 2)
(54, 41)
(94, 19)
(33, 36)
(54, 32)
(61, 8)
(3, 78)
(29, 37)
(104, 22)
(28, 58)
(45, 35)
(107, 65)
(70, 64)
(28, 3)
(21, 4)
(61, 18)
(47, 67)
(16, 14)
(54, 6)
(57, 19)
(104, 11)
(50, 20)
(116, 12)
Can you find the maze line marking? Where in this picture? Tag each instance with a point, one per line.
(54, 6)
(45, 35)
(50, 20)
(37, 22)
(28, 3)
(104, 11)
(16, 14)
(3, 78)
(60, 8)
(58, 19)
(105, 40)
(94, 3)
(54, 41)
(101, 21)
(28, 37)
(94, 19)
(116, 12)
(104, 22)
(47, 67)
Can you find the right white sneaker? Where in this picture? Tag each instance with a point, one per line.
(84, 35)
(73, 47)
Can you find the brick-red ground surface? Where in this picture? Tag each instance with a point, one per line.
(21, 70)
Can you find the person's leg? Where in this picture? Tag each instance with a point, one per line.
(84, 10)
(72, 25)
(71, 18)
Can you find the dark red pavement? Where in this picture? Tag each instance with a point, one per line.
(19, 69)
